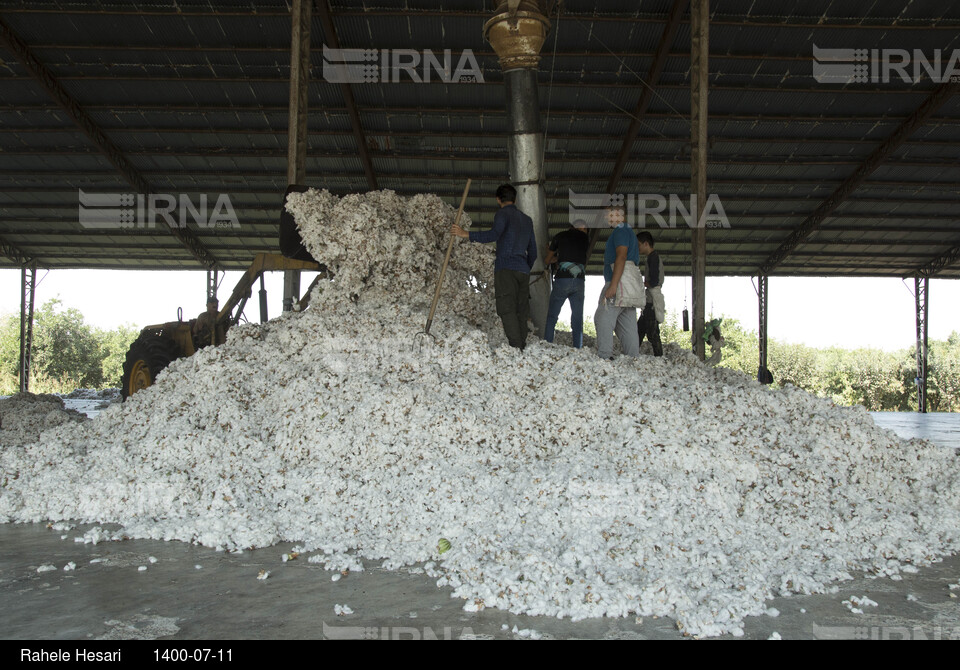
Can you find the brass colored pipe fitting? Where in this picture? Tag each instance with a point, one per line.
(518, 36)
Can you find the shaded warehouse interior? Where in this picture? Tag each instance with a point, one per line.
(819, 174)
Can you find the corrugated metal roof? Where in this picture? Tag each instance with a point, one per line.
(194, 94)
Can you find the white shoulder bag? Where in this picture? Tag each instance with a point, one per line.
(630, 291)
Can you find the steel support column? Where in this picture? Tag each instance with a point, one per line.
(264, 316)
(291, 289)
(212, 276)
(301, 17)
(763, 295)
(28, 286)
(922, 295)
(699, 51)
(517, 33)
(525, 148)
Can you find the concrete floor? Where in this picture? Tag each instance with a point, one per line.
(196, 593)
(941, 428)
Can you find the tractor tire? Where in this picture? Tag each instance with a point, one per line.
(147, 356)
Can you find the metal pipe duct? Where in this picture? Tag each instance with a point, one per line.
(516, 33)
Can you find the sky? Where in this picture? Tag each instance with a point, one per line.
(110, 298)
(818, 312)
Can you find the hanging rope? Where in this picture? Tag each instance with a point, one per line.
(907, 286)
(553, 65)
(591, 36)
(37, 284)
(631, 71)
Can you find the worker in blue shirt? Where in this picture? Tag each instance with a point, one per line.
(516, 253)
(622, 248)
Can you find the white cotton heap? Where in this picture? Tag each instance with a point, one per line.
(383, 249)
(25, 415)
(566, 485)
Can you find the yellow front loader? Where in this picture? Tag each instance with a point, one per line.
(158, 346)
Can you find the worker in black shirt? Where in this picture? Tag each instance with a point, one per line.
(653, 314)
(568, 251)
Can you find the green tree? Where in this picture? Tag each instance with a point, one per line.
(67, 352)
(113, 347)
(865, 377)
(65, 347)
(9, 347)
(943, 374)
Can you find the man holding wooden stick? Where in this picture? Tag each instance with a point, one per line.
(516, 252)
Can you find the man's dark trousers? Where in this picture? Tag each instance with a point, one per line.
(647, 325)
(512, 290)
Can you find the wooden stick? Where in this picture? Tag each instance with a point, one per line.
(443, 270)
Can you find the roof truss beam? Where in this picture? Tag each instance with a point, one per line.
(490, 154)
(75, 112)
(936, 99)
(591, 137)
(942, 261)
(14, 253)
(646, 95)
(472, 111)
(744, 21)
(330, 33)
(581, 79)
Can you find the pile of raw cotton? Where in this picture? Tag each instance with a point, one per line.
(25, 415)
(564, 485)
(382, 247)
